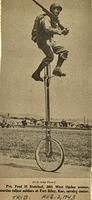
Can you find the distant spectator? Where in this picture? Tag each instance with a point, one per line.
(64, 123)
(24, 123)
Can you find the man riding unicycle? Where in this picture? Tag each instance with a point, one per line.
(45, 27)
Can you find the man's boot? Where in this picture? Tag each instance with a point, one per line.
(36, 74)
(57, 72)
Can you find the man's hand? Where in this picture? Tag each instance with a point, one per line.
(59, 32)
(65, 31)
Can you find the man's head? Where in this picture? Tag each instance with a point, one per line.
(55, 9)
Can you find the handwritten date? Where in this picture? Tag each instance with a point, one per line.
(45, 197)
(58, 197)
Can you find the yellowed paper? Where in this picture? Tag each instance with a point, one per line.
(23, 109)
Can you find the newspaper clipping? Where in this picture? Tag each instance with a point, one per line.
(45, 100)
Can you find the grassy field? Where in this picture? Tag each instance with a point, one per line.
(22, 143)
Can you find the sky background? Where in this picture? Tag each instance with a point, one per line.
(19, 94)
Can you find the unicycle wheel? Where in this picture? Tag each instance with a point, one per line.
(54, 161)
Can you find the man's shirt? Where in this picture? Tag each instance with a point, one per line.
(47, 28)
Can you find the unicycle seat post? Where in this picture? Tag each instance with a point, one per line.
(47, 72)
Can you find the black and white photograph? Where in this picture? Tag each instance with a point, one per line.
(45, 93)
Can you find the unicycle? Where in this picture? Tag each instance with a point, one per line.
(49, 153)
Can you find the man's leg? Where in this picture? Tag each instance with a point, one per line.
(48, 51)
(36, 74)
(62, 56)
